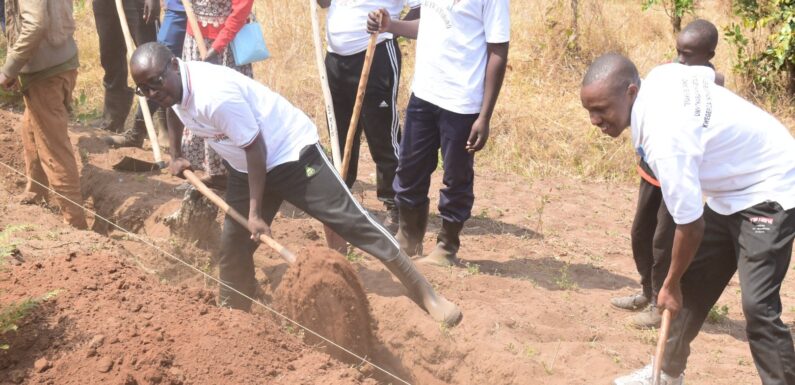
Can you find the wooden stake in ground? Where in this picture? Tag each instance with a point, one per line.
(665, 329)
(150, 127)
(213, 197)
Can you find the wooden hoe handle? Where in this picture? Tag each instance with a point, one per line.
(218, 201)
(194, 27)
(150, 126)
(665, 329)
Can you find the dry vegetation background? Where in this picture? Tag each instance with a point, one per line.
(539, 128)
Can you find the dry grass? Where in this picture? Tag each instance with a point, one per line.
(539, 128)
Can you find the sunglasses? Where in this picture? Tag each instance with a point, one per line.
(153, 84)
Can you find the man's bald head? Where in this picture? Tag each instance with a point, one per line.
(703, 33)
(619, 71)
(151, 56)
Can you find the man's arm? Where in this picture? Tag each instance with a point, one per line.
(32, 14)
(497, 60)
(175, 129)
(413, 14)
(405, 28)
(687, 239)
(256, 158)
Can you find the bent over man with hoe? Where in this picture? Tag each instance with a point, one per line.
(270, 149)
(700, 138)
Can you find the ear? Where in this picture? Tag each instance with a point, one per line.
(632, 90)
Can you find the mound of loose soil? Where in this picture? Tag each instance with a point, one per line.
(323, 292)
(109, 323)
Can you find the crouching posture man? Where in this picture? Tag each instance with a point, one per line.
(700, 138)
(271, 151)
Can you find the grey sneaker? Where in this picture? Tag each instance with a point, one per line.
(647, 319)
(633, 302)
(644, 377)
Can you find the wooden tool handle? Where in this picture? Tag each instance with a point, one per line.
(218, 201)
(357, 107)
(665, 329)
(194, 27)
(150, 126)
(321, 67)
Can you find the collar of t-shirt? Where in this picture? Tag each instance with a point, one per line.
(346, 24)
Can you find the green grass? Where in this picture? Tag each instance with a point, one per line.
(7, 243)
(11, 314)
(718, 314)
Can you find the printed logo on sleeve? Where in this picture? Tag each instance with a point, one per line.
(218, 138)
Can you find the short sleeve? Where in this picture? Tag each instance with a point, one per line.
(497, 21)
(234, 118)
(681, 187)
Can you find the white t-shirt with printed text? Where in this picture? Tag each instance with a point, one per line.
(701, 139)
(450, 68)
(229, 110)
(346, 23)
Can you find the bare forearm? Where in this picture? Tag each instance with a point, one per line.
(687, 239)
(256, 158)
(405, 28)
(175, 128)
(495, 73)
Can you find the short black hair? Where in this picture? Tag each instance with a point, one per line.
(151, 55)
(706, 33)
(614, 67)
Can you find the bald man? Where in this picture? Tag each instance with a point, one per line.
(701, 139)
(271, 151)
(695, 46)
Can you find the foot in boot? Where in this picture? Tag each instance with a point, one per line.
(411, 229)
(127, 139)
(632, 302)
(30, 198)
(647, 319)
(392, 219)
(440, 257)
(644, 377)
(447, 243)
(442, 310)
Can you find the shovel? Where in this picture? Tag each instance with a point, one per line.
(213, 197)
(334, 241)
(665, 328)
(127, 163)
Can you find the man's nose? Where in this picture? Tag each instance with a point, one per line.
(596, 119)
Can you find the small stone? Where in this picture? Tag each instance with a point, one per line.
(97, 341)
(105, 365)
(41, 365)
(203, 310)
(228, 372)
(71, 256)
(38, 265)
(91, 352)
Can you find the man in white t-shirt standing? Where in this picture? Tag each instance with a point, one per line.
(462, 52)
(270, 149)
(347, 43)
(702, 139)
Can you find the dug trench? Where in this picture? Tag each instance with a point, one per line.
(539, 269)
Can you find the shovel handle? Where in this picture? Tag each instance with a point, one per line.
(194, 27)
(218, 201)
(331, 120)
(357, 107)
(150, 126)
(665, 328)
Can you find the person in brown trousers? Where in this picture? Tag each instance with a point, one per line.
(42, 62)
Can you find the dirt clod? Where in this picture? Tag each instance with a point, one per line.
(323, 292)
(104, 365)
(41, 365)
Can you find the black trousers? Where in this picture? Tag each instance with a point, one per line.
(113, 54)
(756, 242)
(652, 239)
(379, 118)
(313, 185)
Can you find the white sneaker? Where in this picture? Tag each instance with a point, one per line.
(644, 377)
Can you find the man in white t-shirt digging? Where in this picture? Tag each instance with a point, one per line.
(347, 43)
(700, 138)
(462, 52)
(271, 151)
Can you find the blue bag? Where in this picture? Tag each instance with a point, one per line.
(248, 45)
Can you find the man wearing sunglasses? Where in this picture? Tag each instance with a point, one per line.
(271, 151)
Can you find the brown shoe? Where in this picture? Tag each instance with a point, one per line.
(633, 302)
(30, 198)
(647, 319)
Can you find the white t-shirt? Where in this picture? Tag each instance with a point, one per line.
(450, 69)
(229, 109)
(346, 24)
(700, 138)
